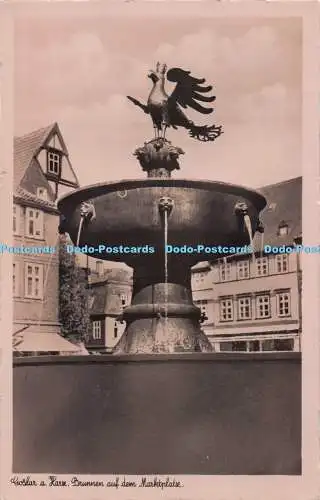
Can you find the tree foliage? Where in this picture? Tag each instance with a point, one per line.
(73, 296)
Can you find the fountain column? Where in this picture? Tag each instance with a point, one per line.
(162, 317)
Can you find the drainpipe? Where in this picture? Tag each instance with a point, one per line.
(298, 241)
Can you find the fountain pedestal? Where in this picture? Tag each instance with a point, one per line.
(162, 317)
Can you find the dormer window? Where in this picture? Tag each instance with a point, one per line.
(283, 229)
(272, 207)
(42, 193)
(53, 162)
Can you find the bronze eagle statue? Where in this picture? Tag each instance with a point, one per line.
(165, 110)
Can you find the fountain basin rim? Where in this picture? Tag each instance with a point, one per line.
(156, 358)
(95, 190)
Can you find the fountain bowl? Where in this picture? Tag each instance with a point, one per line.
(150, 213)
(127, 212)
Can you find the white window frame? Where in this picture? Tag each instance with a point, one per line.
(280, 260)
(203, 305)
(36, 275)
(225, 269)
(225, 306)
(283, 230)
(115, 330)
(263, 306)
(42, 193)
(99, 263)
(280, 296)
(124, 299)
(37, 217)
(97, 329)
(242, 304)
(262, 266)
(15, 280)
(53, 163)
(16, 219)
(243, 269)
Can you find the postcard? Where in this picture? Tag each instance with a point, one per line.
(159, 250)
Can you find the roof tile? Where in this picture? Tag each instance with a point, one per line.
(25, 147)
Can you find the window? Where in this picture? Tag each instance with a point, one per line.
(99, 266)
(34, 223)
(15, 280)
(243, 269)
(226, 310)
(283, 304)
(203, 305)
(272, 207)
(225, 271)
(96, 330)
(244, 308)
(239, 346)
(34, 281)
(124, 299)
(254, 346)
(282, 264)
(262, 266)
(42, 193)
(53, 162)
(199, 277)
(278, 345)
(263, 308)
(115, 330)
(16, 219)
(283, 228)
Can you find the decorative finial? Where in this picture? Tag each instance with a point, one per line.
(159, 158)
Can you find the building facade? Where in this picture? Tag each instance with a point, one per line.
(42, 171)
(110, 293)
(253, 302)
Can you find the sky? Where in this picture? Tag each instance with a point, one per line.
(78, 71)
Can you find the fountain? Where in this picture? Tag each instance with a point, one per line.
(161, 211)
(163, 388)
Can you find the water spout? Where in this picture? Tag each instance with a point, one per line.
(87, 213)
(260, 229)
(241, 210)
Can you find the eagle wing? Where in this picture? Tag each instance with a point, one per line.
(189, 90)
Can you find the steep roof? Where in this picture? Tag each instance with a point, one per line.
(98, 299)
(28, 173)
(25, 148)
(284, 205)
(22, 195)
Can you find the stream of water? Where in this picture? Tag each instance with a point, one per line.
(261, 244)
(79, 231)
(248, 225)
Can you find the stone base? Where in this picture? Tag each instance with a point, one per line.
(163, 336)
(184, 414)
